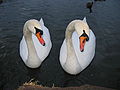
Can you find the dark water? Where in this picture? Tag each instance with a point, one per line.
(104, 21)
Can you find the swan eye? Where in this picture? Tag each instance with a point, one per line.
(87, 39)
(38, 30)
(41, 32)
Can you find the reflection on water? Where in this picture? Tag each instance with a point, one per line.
(104, 21)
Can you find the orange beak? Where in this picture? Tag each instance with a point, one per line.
(41, 40)
(82, 43)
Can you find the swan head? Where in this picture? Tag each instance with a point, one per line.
(35, 27)
(83, 31)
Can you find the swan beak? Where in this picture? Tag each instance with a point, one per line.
(82, 43)
(41, 40)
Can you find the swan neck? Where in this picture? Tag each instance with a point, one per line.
(32, 54)
(70, 49)
(71, 65)
(68, 35)
(69, 30)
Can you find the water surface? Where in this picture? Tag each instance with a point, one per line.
(104, 21)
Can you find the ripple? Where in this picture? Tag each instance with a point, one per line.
(104, 21)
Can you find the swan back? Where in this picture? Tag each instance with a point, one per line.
(41, 50)
(87, 55)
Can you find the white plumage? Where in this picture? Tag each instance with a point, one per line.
(72, 59)
(39, 52)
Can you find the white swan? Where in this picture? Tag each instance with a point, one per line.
(78, 48)
(35, 44)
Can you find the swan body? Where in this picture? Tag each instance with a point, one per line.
(72, 58)
(32, 51)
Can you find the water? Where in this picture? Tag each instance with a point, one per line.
(104, 21)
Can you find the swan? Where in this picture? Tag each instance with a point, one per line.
(35, 44)
(78, 47)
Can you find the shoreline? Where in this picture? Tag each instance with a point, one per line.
(83, 87)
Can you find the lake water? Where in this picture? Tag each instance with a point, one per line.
(104, 21)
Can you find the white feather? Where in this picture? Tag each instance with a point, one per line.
(42, 51)
(83, 58)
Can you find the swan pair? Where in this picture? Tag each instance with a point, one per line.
(77, 50)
